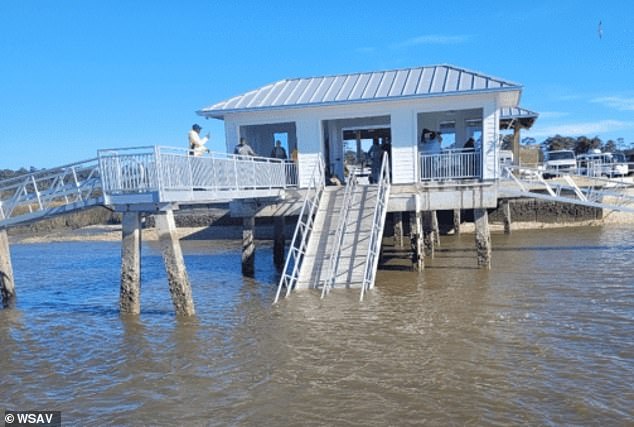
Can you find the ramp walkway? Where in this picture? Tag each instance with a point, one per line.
(610, 193)
(142, 179)
(339, 243)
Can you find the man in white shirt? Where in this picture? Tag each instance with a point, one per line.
(196, 143)
(243, 149)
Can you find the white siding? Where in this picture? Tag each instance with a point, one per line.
(306, 167)
(403, 164)
(403, 146)
(490, 141)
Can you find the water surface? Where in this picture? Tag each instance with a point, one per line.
(543, 338)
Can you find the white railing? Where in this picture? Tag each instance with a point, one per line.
(378, 223)
(162, 169)
(38, 193)
(297, 249)
(598, 192)
(129, 170)
(335, 253)
(450, 164)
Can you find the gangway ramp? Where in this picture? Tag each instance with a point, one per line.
(144, 179)
(355, 241)
(610, 193)
(341, 239)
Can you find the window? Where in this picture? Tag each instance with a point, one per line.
(448, 132)
(474, 130)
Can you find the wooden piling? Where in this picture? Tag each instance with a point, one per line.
(130, 290)
(398, 229)
(506, 213)
(179, 285)
(279, 241)
(7, 285)
(482, 237)
(248, 246)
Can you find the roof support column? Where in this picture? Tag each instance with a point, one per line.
(516, 144)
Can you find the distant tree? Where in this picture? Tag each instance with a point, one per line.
(528, 141)
(584, 144)
(609, 147)
(559, 142)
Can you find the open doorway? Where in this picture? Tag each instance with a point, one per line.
(356, 146)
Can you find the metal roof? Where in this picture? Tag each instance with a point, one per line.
(516, 115)
(424, 81)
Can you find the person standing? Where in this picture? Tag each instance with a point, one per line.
(375, 153)
(243, 149)
(196, 143)
(278, 151)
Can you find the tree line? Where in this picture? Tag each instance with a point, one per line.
(579, 145)
(10, 173)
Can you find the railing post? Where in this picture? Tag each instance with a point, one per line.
(235, 172)
(158, 171)
(37, 192)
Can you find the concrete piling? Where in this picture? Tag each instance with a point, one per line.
(130, 290)
(482, 237)
(279, 241)
(179, 285)
(398, 229)
(428, 234)
(7, 285)
(435, 228)
(456, 221)
(418, 255)
(248, 246)
(506, 212)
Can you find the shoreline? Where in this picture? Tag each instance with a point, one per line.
(112, 233)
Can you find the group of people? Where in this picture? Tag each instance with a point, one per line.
(430, 142)
(197, 146)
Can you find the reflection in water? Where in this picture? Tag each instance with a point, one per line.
(544, 337)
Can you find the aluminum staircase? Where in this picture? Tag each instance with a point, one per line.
(354, 247)
(343, 246)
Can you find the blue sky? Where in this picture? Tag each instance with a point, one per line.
(76, 76)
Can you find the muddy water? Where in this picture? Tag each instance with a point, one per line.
(544, 338)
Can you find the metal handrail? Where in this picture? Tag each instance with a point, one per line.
(450, 164)
(591, 194)
(297, 249)
(378, 222)
(168, 169)
(39, 192)
(335, 253)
